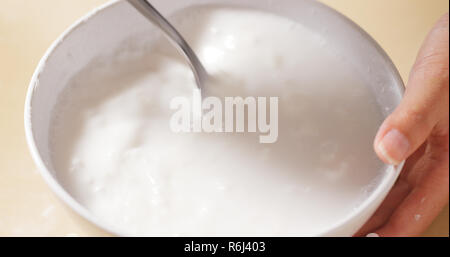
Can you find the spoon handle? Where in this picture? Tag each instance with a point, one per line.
(150, 12)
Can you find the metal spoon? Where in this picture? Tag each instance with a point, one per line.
(146, 9)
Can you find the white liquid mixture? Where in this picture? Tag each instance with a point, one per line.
(114, 152)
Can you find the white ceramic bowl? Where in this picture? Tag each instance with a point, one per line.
(104, 29)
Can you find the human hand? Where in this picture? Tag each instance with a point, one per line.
(418, 132)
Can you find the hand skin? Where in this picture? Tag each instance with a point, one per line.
(418, 132)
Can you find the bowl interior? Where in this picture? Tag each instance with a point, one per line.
(102, 32)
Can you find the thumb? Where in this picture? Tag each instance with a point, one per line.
(424, 103)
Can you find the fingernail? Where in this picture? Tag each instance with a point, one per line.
(394, 147)
(373, 235)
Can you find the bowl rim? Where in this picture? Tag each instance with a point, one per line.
(51, 181)
(392, 172)
(382, 189)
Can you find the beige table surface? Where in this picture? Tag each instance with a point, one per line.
(27, 28)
